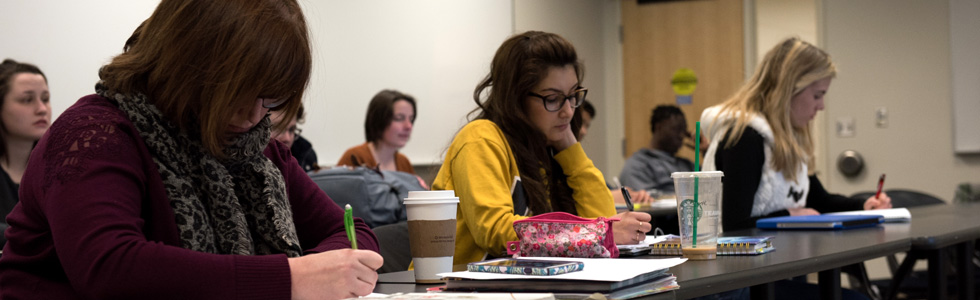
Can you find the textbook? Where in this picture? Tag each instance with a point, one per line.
(732, 245)
(820, 222)
(552, 285)
(525, 266)
(600, 275)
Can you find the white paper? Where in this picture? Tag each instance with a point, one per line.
(649, 240)
(900, 214)
(597, 269)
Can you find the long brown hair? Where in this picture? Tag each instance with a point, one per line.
(520, 63)
(199, 62)
(786, 70)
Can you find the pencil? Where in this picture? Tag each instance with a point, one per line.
(349, 226)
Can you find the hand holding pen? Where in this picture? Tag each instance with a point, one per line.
(880, 199)
(338, 273)
(632, 226)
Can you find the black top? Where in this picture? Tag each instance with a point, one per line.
(303, 152)
(742, 165)
(8, 198)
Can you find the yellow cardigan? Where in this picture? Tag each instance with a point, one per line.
(481, 168)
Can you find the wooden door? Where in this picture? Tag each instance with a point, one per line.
(660, 38)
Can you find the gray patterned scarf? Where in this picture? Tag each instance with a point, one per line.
(235, 205)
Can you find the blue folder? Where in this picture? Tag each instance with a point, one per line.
(820, 222)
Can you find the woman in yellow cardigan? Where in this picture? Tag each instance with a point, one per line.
(523, 129)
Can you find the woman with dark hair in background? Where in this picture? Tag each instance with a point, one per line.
(166, 184)
(387, 127)
(25, 114)
(289, 135)
(524, 129)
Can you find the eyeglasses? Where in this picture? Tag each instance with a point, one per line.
(272, 103)
(554, 102)
(294, 130)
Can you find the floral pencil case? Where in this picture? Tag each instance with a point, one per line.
(560, 234)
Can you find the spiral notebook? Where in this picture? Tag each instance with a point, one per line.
(732, 245)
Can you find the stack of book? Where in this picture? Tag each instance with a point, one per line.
(615, 279)
(734, 245)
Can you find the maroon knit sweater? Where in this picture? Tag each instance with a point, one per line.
(94, 222)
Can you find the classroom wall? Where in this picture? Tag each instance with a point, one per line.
(68, 40)
(435, 50)
(894, 54)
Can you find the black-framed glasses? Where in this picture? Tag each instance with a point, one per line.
(554, 102)
(296, 131)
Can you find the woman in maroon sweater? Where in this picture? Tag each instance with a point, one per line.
(165, 185)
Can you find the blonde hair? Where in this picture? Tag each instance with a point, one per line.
(785, 71)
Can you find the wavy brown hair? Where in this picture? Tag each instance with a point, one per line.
(520, 63)
(199, 62)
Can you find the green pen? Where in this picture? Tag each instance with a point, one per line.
(349, 226)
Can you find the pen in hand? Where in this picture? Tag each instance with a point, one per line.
(627, 199)
(349, 226)
(881, 183)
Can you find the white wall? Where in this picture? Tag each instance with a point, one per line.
(435, 50)
(895, 54)
(68, 40)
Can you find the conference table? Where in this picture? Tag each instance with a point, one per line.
(933, 230)
(801, 252)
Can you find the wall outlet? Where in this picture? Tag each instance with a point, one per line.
(845, 127)
(881, 117)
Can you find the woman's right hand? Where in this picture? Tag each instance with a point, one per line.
(631, 228)
(803, 211)
(337, 274)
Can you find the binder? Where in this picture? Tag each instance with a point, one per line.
(820, 222)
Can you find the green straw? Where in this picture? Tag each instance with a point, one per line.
(697, 168)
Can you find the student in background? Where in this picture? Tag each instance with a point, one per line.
(387, 127)
(649, 168)
(760, 138)
(25, 113)
(523, 130)
(290, 136)
(588, 113)
(166, 184)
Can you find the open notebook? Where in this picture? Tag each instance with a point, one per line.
(892, 215)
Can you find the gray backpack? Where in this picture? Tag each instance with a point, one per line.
(377, 197)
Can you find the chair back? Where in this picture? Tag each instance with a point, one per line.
(394, 243)
(904, 198)
(376, 196)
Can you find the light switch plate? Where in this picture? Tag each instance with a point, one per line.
(845, 127)
(881, 117)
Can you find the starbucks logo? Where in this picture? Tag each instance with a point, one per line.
(688, 215)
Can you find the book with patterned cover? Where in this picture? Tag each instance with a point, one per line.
(525, 266)
(733, 245)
